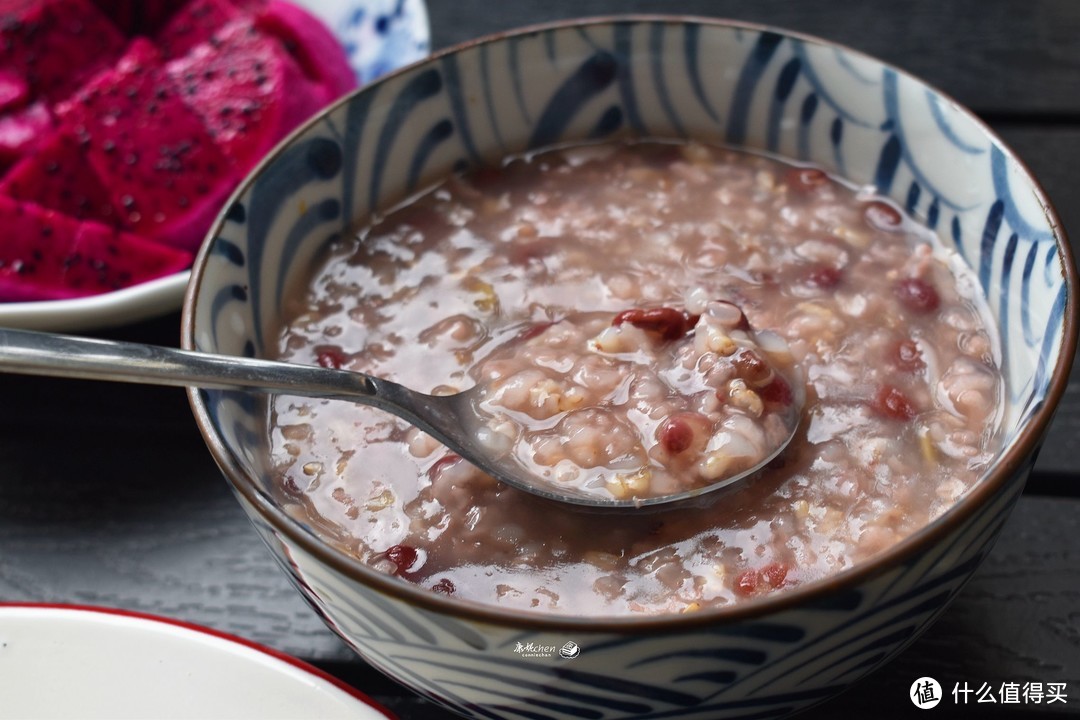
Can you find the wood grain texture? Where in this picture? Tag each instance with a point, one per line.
(975, 50)
(171, 540)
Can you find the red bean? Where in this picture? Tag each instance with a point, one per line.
(751, 367)
(533, 331)
(891, 403)
(882, 216)
(403, 557)
(441, 464)
(908, 356)
(917, 295)
(747, 582)
(329, 357)
(778, 391)
(806, 179)
(771, 577)
(775, 574)
(825, 277)
(675, 435)
(672, 324)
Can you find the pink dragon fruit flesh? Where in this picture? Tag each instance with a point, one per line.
(247, 89)
(57, 176)
(305, 37)
(55, 45)
(166, 177)
(48, 255)
(195, 23)
(126, 124)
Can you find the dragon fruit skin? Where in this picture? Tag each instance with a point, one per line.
(49, 256)
(56, 175)
(56, 45)
(303, 36)
(247, 89)
(166, 177)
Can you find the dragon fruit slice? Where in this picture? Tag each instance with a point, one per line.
(47, 255)
(56, 44)
(113, 164)
(165, 176)
(248, 90)
(196, 23)
(306, 38)
(57, 176)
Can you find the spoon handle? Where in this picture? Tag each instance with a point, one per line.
(27, 352)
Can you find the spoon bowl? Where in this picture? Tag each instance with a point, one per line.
(450, 419)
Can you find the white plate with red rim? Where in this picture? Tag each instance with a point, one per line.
(378, 36)
(67, 661)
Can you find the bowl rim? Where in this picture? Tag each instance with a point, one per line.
(1009, 462)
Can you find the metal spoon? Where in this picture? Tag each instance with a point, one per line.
(451, 419)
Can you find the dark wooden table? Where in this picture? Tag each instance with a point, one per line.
(109, 497)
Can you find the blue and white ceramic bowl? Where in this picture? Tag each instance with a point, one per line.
(721, 82)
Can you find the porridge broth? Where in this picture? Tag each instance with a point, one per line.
(899, 363)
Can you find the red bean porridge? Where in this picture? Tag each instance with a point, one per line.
(642, 404)
(628, 273)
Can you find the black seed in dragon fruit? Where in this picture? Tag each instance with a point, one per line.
(47, 255)
(166, 177)
(57, 176)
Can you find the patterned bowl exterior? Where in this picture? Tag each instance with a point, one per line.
(721, 82)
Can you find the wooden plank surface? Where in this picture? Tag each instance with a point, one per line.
(117, 526)
(985, 53)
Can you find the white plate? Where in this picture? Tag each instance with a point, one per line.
(379, 36)
(75, 662)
